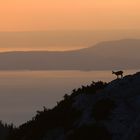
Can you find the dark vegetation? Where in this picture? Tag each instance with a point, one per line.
(5, 130)
(92, 132)
(102, 109)
(64, 116)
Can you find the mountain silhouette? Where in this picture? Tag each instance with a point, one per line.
(100, 111)
(120, 54)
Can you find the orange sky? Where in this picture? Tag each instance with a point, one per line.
(28, 15)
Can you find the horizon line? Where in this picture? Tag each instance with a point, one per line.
(64, 50)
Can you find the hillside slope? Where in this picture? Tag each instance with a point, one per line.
(100, 111)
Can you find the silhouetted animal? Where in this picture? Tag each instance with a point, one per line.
(118, 73)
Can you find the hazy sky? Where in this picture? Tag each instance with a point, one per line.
(86, 22)
(23, 15)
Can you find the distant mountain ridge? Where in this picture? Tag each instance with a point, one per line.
(119, 54)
